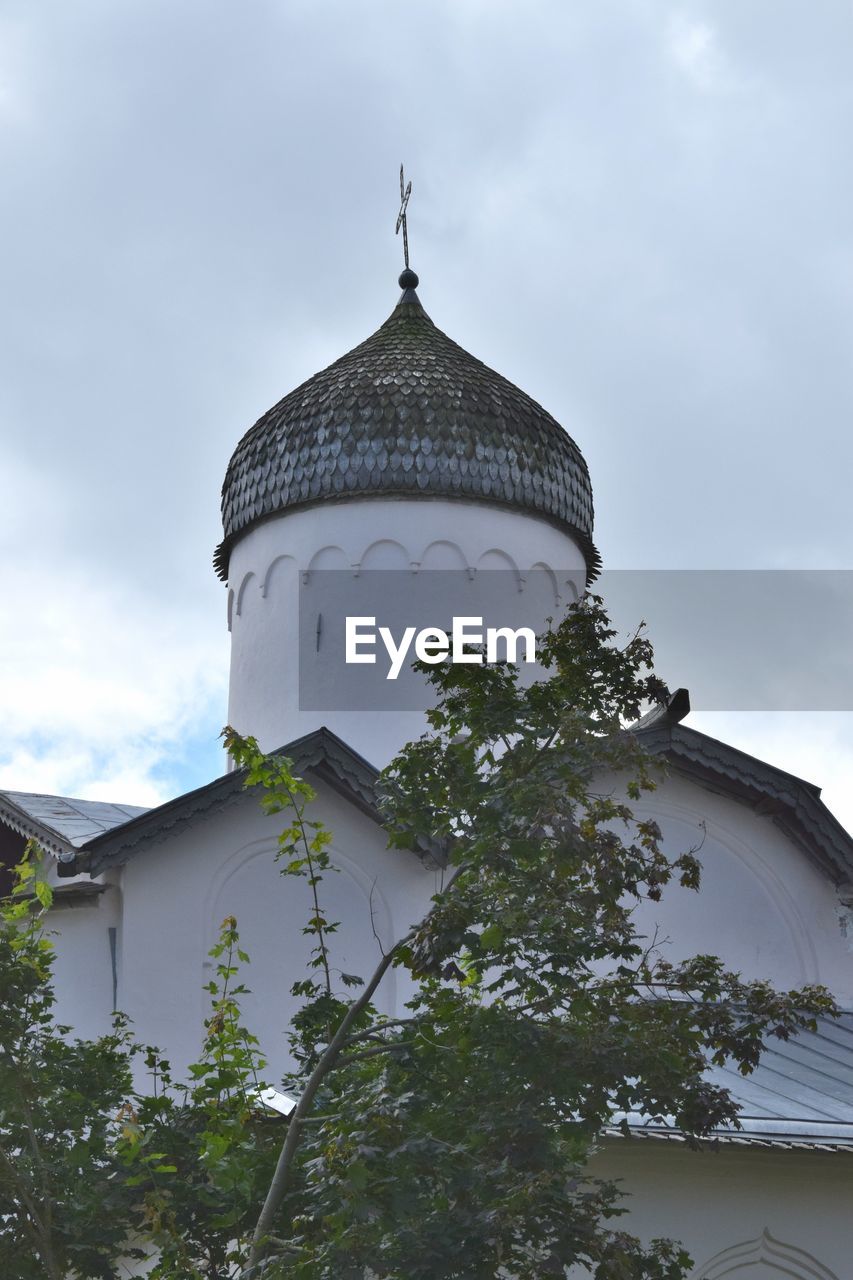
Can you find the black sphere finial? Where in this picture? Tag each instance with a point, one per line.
(408, 279)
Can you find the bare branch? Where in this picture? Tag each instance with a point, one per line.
(373, 918)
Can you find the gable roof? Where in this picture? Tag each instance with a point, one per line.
(322, 753)
(91, 835)
(792, 804)
(801, 1087)
(799, 1095)
(60, 824)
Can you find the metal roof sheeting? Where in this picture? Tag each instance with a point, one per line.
(800, 1094)
(61, 824)
(801, 1086)
(322, 752)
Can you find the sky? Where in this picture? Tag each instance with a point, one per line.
(637, 211)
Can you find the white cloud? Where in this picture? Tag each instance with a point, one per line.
(693, 46)
(15, 72)
(102, 687)
(194, 226)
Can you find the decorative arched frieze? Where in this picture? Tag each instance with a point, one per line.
(443, 554)
(329, 557)
(775, 1256)
(271, 571)
(565, 590)
(241, 593)
(496, 558)
(385, 553)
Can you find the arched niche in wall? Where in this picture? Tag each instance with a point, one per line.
(271, 911)
(744, 911)
(764, 1258)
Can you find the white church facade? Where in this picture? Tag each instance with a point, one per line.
(410, 456)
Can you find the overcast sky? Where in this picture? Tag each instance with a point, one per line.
(638, 211)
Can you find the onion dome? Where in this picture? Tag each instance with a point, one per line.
(407, 414)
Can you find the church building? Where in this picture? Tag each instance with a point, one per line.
(409, 456)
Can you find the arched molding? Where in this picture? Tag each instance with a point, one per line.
(440, 549)
(568, 589)
(241, 593)
(224, 872)
(571, 590)
(376, 908)
(497, 558)
(785, 1259)
(415, 524)
(271, 570)
(385, 549)
(494, 558)
(331, 556)
(755, 864)
(230, 606)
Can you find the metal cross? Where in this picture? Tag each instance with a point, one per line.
(405, 192)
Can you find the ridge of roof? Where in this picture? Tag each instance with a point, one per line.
(792, 803)
(321, 751)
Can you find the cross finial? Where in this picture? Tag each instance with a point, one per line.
(405, 192)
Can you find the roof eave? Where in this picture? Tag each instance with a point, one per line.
(791, 803)
(321, 753)
(837, 1138)
(25, 825)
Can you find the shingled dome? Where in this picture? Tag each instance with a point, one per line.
(407, 414)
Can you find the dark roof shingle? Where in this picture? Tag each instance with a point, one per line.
(408, 413)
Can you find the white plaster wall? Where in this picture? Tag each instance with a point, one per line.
(176, 895)
(763, 906)
(83, 979)
(413, 535)
(715, 1201)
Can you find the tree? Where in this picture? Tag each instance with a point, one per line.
(95, 1176)
(198, 1156)
(61, 1198)
(454, 1140)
